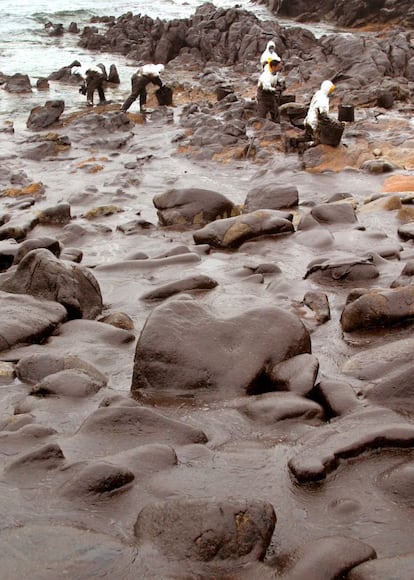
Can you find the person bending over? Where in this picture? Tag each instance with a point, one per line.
(149, 73)
(95, 78)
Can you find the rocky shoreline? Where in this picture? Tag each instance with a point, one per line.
(206, 338)
(354, 13)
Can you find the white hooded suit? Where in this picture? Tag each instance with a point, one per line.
(269, 52)
(319, 104)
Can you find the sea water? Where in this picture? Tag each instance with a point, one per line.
(27, 47)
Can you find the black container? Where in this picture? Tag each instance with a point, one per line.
(329, 130)
(385, 100)
(346, 113)
(286, 99)
(164, 96)
(223, 91)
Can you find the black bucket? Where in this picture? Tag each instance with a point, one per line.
(164, 95)
(385, 100)
(346, 113)
(329, 130)
(223, 91)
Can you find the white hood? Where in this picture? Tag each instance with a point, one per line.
(269, 52)
(327, 87)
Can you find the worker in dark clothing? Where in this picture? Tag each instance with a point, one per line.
(149, 73)
(269, 89)
(95, 78)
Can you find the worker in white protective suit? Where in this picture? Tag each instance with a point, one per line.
(269, 52)
(269, 89)
(319, 104)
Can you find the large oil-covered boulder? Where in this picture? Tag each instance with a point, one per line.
(327, 557)
(271, 196)
(232, 232)
(341, 268)
(378, 308)
(75, 383)
(46, 115)
(26, 319)
(65, 73)
(18, 227)
(35, 367)
(334, 213)
(362, 431)
(192, 206)
(186, 350)
(109, 130)
(43, 275)
(206, 530)
(386, 373)
(30, 244)
(123, 427)
(18, 83)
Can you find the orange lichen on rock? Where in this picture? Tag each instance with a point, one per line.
(92, 165)
(335, 159)
(137, 118)
(94, 168)
(397, 183)
(185, 149)
(33, 189)
(239, 153)
(229, 155)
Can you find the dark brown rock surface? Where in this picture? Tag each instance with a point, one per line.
(347, 13)
(208, 416)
